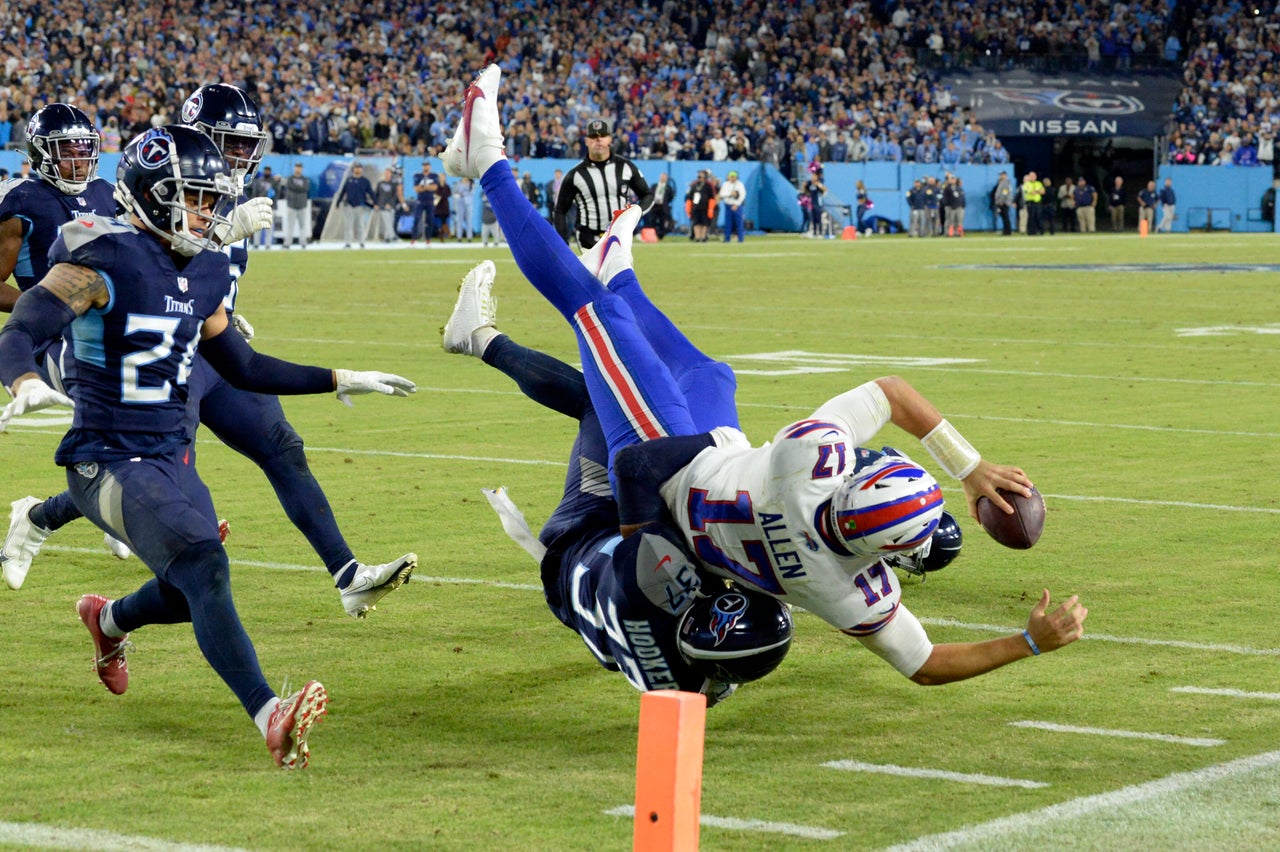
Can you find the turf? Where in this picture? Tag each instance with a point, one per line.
(464, 716)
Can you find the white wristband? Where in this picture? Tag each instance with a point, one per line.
(950, 450)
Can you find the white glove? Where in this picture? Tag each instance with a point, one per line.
(32, 395)
(240, 324)
(249, 218)
(352, 383)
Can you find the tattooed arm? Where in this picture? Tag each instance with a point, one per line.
(68, 291)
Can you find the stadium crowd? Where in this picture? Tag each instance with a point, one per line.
(785, 83)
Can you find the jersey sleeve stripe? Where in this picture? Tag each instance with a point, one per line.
(866, 628)
(808, 427)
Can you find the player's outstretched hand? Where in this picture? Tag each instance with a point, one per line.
(1061, 627)
(986, 478)
(247, 219)
(32, 395)
(353, 383)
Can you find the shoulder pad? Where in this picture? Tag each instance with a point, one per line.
(80, 232)
(663, 570)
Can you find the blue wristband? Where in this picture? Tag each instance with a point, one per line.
(1035, 649)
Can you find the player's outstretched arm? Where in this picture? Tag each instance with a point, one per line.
(1046, 631)
(230, 354)
(891, 399)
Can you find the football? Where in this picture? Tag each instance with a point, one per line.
(1019, 530)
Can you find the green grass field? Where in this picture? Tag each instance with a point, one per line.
(1140, 400)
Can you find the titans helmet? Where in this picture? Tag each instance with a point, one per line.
(60, 133)
(232, 119)
(935, 554)
(887, 504)
(169, 172)
(735, 636)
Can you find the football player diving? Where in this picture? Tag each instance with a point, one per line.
(808, 518)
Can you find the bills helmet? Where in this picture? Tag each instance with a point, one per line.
(735, 636)
(58, 134)
(169, 172)
(232, 119)
(937, 553)
(887, 504)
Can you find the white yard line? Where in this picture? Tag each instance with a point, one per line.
(942, 774)
(1036, 821)
(808, 832)
(1198, 742)
(37, 836)
(1226, 693)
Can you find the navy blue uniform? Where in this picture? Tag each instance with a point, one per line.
(130, 467)
(43, 210)
(623, 597)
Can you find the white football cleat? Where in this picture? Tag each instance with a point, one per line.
(22, 543)
(475, 309)
(477, 143)
(372, 583)
(612, 254)
(118, 548)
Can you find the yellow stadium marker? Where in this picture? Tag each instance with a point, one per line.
(669, 771)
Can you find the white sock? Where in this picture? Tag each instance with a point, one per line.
(481, 338)
(107, 623)
(263, 716)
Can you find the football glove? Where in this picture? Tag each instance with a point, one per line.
(247, 219)
(32, 395)
(240, 324)
(352, 383)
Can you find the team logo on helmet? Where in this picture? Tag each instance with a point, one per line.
(32, 126)
(725, 613)
(154, 149)
(191, 108)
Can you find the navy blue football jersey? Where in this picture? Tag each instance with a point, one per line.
(626, 610)
(131, 359)
(43, 211)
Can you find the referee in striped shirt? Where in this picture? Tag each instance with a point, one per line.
(599, 186)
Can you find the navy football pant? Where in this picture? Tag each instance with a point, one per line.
(161, 509)
(640, 370)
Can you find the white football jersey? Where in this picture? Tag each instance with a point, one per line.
(758, 516)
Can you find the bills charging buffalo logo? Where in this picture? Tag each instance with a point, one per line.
(725, 613)
(154, 149)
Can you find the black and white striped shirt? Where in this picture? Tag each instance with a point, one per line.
(598, 190)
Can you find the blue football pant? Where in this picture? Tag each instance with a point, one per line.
(161, 509)
(638, 366)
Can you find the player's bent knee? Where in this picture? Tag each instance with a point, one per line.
(201, 570)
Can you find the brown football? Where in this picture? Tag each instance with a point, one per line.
(1019, 530)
